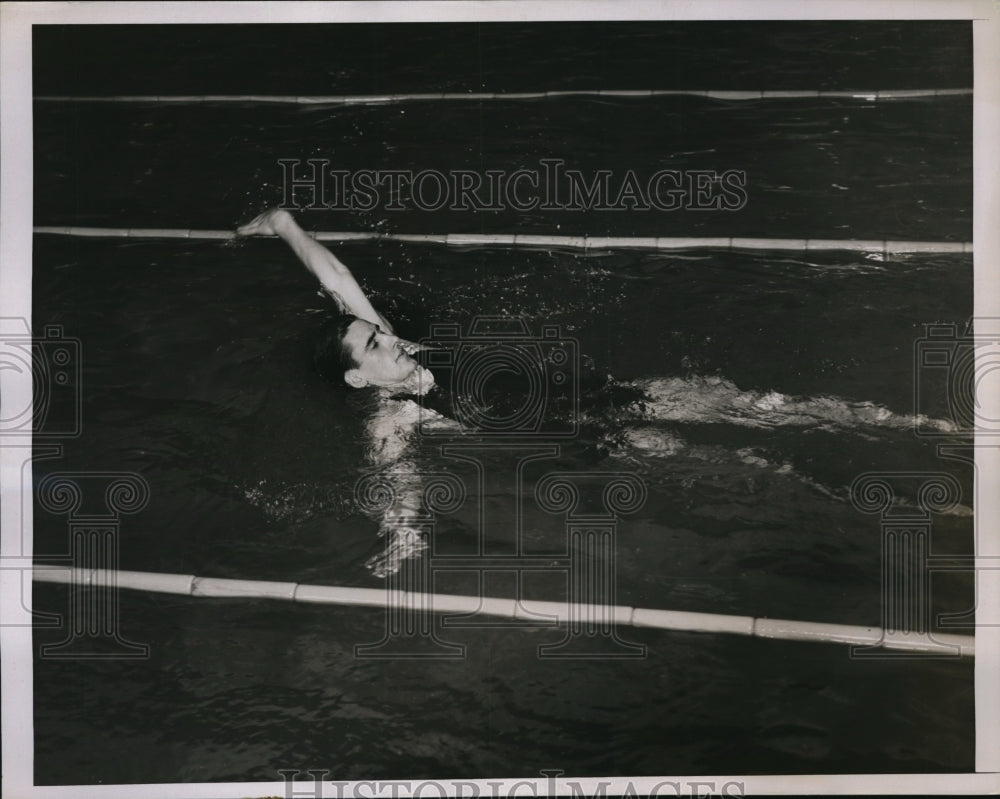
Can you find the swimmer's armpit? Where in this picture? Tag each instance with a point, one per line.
(337, 299)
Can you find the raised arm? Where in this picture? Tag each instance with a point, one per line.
(335, 278)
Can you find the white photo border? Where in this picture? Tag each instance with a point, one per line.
(16, 173)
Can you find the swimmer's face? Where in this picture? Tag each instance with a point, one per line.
(381, 360)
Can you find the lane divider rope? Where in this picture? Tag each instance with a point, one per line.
(557, 612)
(883, 246)
(381, 99)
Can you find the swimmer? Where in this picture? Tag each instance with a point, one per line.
(362, 347)
(363, 344)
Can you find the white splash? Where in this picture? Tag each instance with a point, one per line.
(708, 400)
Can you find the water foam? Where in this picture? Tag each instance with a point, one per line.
(708, 400)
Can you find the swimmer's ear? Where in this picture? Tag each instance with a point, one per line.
(354, 379)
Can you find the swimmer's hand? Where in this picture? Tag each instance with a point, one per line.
(268, 223)
(401, 544)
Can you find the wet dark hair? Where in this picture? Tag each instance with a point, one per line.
(332, 357)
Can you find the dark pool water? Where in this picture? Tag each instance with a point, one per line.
(821, 168)
(746, 390)
(765, 404)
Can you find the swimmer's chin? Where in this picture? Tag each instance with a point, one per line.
(419, 383)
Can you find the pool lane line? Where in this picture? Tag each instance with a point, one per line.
(557, 613)
(384, 99)
(881, 246)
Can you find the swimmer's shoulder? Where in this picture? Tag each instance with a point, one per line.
(406, 411)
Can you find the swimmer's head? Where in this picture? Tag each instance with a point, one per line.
(368, 356)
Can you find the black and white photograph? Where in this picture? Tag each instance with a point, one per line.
(499, 399)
